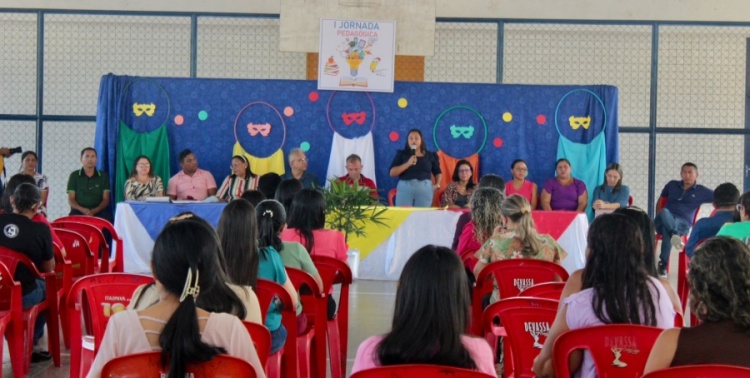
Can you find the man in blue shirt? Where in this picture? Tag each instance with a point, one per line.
(683, 198)
(298, 170)
(726, 197)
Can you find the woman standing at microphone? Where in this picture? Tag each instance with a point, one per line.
(415, 166)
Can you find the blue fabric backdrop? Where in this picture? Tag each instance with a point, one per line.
(522, 121)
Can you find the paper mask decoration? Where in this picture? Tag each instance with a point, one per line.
(458, 131)
(139, 109)
(576, 122)
(263, 129)
(350, 118)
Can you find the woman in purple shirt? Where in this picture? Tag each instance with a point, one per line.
(564, 192)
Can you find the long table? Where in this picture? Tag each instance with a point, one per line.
(382, 253)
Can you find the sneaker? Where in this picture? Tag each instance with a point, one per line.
(662, 270)
(676, 241)
(40, 356)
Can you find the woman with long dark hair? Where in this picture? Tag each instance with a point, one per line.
(185, 260)
(611, 194)
(616, 289)
(246, 262)
(307, 226)
(29, 164)
(520, 185)
(143, 183)
(242, 179)
(285, 193)
(458, 192)
(414, 166)
(429, 319)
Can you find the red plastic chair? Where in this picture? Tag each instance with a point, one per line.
(11, 320)
(49, 306)
(336, 272)
(630, 201)
(414, 371)
(525, 320)
(512, 276)
(94, 237)
(703, 371)
(103, 224)
(392, 197)
(266, 292)
(64, 277)
(261, 340)
(78, 251)
(95, 298)
(147, 365)
(548, 290)
(311, 359)
(618, 350)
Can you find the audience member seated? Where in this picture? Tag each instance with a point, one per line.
(458, 192)
(675, 218)
(241, 180)
(29, 163)
(485, 217)
(573, 285)
(564, 192)
(285, 193)
(354, 175)
(271, 221)
(519, 184)
(143, 183)
(517, 239)
(740, 229)
(298, 170)
(307, 222)
(429, 319)
(487, 181)
(191, 183)
(720, 289)
(185, 261)
(222, 296)
(34, 240)
(616, 290)
(611, 194)
(88, 188)
(246, 262)
(268, 184)
(725, 201)
(254, 197)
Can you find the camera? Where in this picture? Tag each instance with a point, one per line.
(16, 150)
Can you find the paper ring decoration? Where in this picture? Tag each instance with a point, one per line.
(557, 109)
(328, 111)
(446, 111)
(125, 90)
(237, 120)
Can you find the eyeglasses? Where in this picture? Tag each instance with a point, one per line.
(464, 171)
(233, 166)
(144, 164)
(739, 207)
(302, 160)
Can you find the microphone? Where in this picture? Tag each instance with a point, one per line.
(413, 149)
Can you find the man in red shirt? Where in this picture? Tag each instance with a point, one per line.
(354, 174)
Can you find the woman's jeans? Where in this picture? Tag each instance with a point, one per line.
(35, 297)
(416, 193)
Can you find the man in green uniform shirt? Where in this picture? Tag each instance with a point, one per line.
(88, 188)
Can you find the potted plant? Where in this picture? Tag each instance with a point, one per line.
(350, 207)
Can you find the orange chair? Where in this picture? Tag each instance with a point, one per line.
(266, 292)
(314, 304)
(525, 321)
(618, 350)
(78, 251)
(49, 306)
(512, 276)
(548, 290)
(336, 272)
(261, 340)
(94, 237)
(11, 320)
(96, 298)
(413, 371)
(147, 365)
(103, 224)
(705, 371)
(392, 197)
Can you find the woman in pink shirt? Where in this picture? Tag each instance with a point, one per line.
(430, 316)
(519, 184)
(307, 220)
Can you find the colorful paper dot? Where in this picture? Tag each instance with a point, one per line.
(541, 119)
(179, 120)
(288, 111)
(304, 146)
(393, 136)
(313, 96)
(507, 117)
(498, 142)
(202, 115)
(402, 103)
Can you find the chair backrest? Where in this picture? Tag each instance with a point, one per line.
(93, 235)
(315, 306)
(63, 270)
(549, 290)
(704, 371)
(261, 340)
(412, 371)
(527, 322)
(102, 224)
(266, 291)
(77, 250)
(149, 365)
(336, 272)
(10, 292)
(618, 350)
(12, 259)
(512, 276)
